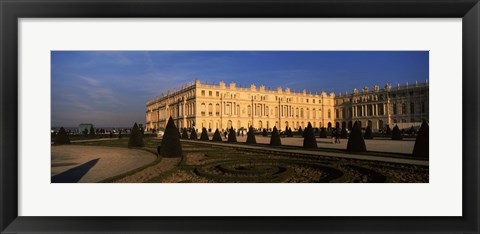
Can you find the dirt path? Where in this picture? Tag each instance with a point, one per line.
(90, 164)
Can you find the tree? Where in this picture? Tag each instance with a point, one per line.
(323, 132)
(300, 131)
(264, 133)
(289, 132)
(204, 135)
(421, 148)
(232, 137)
(193, 135)
(250, 136)
(396, 134)
(343, 133)
(92, 132)
(275, 138)
(368, 133)
(170, 146)
(355, 141)
(309, 140)
(185, 134)
(136, 137)
(61, 138)
(216, 136)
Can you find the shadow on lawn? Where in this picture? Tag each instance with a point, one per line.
(74, 175)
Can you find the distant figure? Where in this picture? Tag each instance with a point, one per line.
(225, 134)
(333, 137)
(111, 134)
(337, 137)
(242, 132)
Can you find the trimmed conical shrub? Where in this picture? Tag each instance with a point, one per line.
(92, 132)
(343, 133)
(421, 148)
(388, 131)
(232, 137)
(193, 135)
(184, 134)
(264, 133)
(323, 133)
(275, 138)
(368, 133)
(136, 137)
(289, 132)
(300, 131)
(412, 130)
(396, 134)
(250, 136)
(309, 140)
(171, 146)
(355, 141)
(217, 136)
(204, 135)
(62, 137)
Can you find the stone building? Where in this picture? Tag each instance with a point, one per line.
(404, 106)
(221, 106)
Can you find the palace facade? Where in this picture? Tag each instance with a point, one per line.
(404, 106)
(221, 106)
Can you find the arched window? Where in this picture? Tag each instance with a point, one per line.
(217, 109)
(210, 109)
(202, 109)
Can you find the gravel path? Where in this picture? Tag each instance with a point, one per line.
(381, 145)
(90, 164)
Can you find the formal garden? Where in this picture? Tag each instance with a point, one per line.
(183, 156)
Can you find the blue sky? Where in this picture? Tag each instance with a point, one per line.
(110, 88)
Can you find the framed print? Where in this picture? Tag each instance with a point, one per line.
(276, 116)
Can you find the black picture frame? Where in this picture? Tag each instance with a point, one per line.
(11, 11)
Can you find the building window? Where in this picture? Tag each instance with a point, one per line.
(307, 100)
(217, 109)
(394, 109)
(203, 92)
(210, 93)
(336, 114)
(329, 114)
(202, 109)
(218, 94)
(249, 111)
(404, 108)
(210, 109)
(313, 100)
(412, 108)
